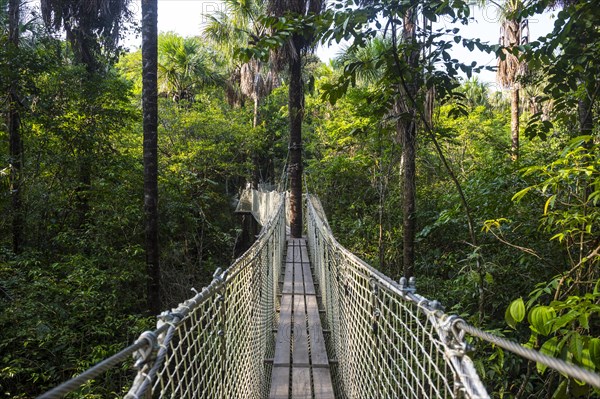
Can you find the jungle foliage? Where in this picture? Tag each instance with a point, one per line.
(508, 243)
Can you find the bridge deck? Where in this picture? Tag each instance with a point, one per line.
(300, 365)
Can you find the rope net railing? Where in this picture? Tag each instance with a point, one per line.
(213, 345)
(383, 339)
(393, 343)
(388, 341)
(217, 350)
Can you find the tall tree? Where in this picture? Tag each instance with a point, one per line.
(150, 116)
(93, 29)
(296, 47)
(510, 68)
(407, 131)
(14, 125)
(231, 30)
(184, 66)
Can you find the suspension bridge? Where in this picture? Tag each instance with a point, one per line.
(304, 318)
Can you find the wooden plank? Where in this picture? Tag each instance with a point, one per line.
(282, 340)
(288, 279)
(301, 387)
(298, 279)
(280, 383)
(309, 286)
(297, 254)
(289, 256)
(300, 344)
(317, 342)
(304, 254)
(322, 383)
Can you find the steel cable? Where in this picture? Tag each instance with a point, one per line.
(559, 365)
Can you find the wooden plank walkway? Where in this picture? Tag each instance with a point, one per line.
(300, 365)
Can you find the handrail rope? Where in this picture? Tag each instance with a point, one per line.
(180, 313)
(306, 190)
(107, 364)
(160, 358)
(95, 371)
(557, 364)
(469, 381)
(560, 365)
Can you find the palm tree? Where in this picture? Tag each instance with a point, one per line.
(476, 92)
(367, 57)
(234, 29)
(231, 30)
(513, 32)
(293, 52)
(407, 131)
(150, 121)
(92, 27)
(183, 66)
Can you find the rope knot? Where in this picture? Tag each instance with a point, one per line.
(455, 339)
(218, 275)
(147, 353)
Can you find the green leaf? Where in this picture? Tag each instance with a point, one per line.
(584, 320)
(515, 313)
(541, 318)
(549, 203)
(561, 391)
(550, 348)
(518, 196)
(565, 319)
(576, 346)
(586, 360)
(594, 351)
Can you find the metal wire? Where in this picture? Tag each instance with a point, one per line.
(105, 365)
(388, 341)
(385, 340)
(560, 365)
(425, 345)
(214, 344)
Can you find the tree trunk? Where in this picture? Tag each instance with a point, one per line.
(256, 104)
(82, 192)
(408, 132)
(15, 141)
(514, 122)
(295, 167)
(407, 129)
(150, 120)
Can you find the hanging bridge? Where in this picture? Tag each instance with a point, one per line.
(304, 318)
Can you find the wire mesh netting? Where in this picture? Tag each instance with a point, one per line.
(388, 341)
(216, 343)
(383, 339)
